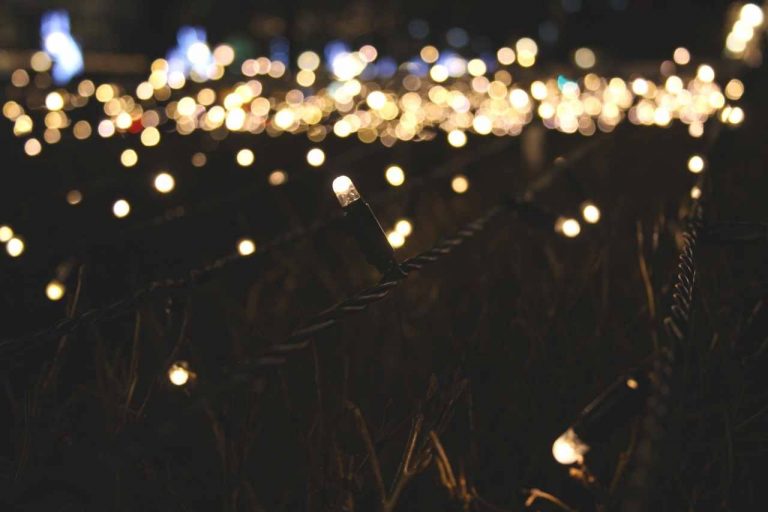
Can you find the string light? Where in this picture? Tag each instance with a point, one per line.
(569, 227)
(590, 212)
(460, 184)
(395, 175)
(246, 247)
(617, 403)
(179, 373)
(681, 56)
(129, 158)
(404, 227)
(6, 233)
(315, 157)
(345, 191)
(695, 192)
(395, 239)
(199, 159)
(245, 157)
(55, 290)
(74, 197)
(164, 183)
(696, 164)
(569, 449)
(366, 229)
(457, 138)
(121, 208)
(277, 178)
(14, 247)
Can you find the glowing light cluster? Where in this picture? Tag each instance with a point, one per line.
(742, 42)
(349, 101)
(398, 236)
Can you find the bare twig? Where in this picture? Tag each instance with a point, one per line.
(534, 494)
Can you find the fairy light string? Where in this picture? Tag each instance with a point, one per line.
(99, 314)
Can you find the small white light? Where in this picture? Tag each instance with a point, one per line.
(121, 208)
(345, 191)
(590, 212)
(55, 290)
(695, 192)
(404, 227)
(6, 233)
(246, 247)
(569, 449)
(696, 164)
(179, 373)
(164, 183)
(315, 157)
(395, 239)
(568, 227)
(395, 175)
(14, 247)
(460, 184)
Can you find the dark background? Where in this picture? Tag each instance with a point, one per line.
(528, 325)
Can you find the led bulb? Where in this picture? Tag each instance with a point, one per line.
(179, 373)
(55, 290)
(6, 233)
(696, 164)
(569, 449)
(345, 191)
(569, 227)
(14, 247)
(404, 227)
(395, 239)
(590, 212)
(246, 247)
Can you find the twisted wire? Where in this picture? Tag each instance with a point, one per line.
(677, 326)
(300, 338)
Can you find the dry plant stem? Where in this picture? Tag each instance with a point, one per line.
(406, 471)
(71, 310)
(624, 458)
(443, 464)
(132, 371)
(362, 427)
(534, 494)
(645, 274)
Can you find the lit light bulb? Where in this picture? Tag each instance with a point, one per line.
(6, 233)
(277, 177)
(129, 157)
(457, 138)
(395, 175)
(179, 373)
(345, 191)
(569, 449)
(315, 157)
(54, 101)
(590, 212)
(246, 247)
(121, 208)
(696, 164)
(164, 183)
(395, 239)
(245, 157)
(569, 227)
(404, 227)
(695, 192)
(55, 290)
(74, 197)
(14, 247)
(460, 184)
